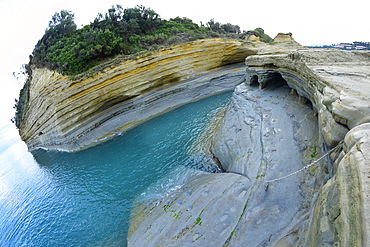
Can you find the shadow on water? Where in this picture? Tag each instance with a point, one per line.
(96, 187)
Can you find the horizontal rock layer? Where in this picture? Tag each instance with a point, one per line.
(326, 205)
(68, 114)
(232, 208)
(333, 80)
(261, 137)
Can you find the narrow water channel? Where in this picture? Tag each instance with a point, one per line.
(83, 199)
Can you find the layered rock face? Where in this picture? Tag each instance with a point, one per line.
(252, 38)
(293, 105)
(333, 80)
(261, 138)
(69, 114)
(283, 37)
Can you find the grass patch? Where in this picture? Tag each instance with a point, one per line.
(198, 221)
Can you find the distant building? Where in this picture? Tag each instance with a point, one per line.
(360, 47)
(341, 46)
(357, 45)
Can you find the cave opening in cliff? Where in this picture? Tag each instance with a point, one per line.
(269, 79)
(272, 80)
(254, 80)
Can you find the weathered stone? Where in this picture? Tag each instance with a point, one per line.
(205, 217)
(331, 79)
(68, 114)
(256, 138)
(341, 214)
(284, 37)
(335, 82)
(262, 136)
(252, 38)
(248, 140)
(72, 114)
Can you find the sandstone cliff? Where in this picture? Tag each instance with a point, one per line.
(261, 138)
(70, 114)
(335, 82)
(295, 104)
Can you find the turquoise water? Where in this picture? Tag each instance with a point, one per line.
(54, 198)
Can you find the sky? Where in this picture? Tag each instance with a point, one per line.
(314, 22)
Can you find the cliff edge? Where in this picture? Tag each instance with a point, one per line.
(322, 104)
(72, 114)
(273, 192)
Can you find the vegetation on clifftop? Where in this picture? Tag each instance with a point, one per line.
(259, 32)
(72, 51)
(120, 31)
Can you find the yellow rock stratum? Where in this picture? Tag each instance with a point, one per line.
(71, 114)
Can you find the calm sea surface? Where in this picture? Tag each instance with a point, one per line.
(51, 198)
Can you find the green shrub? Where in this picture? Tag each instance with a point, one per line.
(261, 33)
(72, 51)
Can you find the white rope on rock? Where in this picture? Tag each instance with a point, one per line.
(339, 146)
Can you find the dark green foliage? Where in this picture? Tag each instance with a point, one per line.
(261, 33)
(223, 28)
(61, 26)
(119, 32)
(21, 103)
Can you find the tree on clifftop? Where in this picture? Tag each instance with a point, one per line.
(222, 28)
(118, 32)
(61, 25)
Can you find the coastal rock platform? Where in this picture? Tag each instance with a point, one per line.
(291, 105)
(263, 135)
(258, 140)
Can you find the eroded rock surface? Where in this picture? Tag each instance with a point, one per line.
(340, 217)
(72, 114)
(201, 213)
(337, 83)
(333, 80)
(326, 205)
(263, 135)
